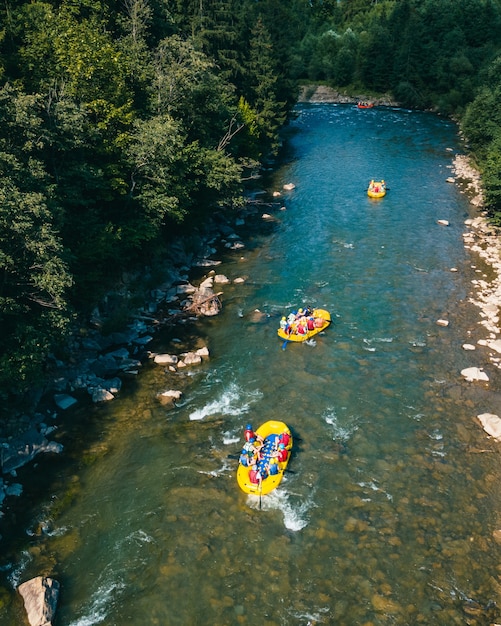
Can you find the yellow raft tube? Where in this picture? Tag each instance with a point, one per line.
(377, 189)
(322, 319)
(270, 428)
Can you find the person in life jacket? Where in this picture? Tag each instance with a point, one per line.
(255, 475)
(250, 434)
(284, 438)
(272, 467)
(246, 458)
(282, 453)
(251, 445)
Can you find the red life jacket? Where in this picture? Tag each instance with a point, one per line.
(284, 438)
(249, 434)
(282, 455)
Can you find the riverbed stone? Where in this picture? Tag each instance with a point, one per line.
(491, 424)
(169, 397)
(191, 358)
(166, 359)
(23, 449)
(495, 345)
(101, 395)
(474, 373)
(185, 289)
(40, 596)
(221, 279)
(64, 401)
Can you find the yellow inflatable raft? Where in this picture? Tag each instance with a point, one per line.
(321, 319)
(377, 189)
(268, 431)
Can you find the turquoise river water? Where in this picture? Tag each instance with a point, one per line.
(388, 513)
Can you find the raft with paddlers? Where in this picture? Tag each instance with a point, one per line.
(268, 455)
(376, 189)
(303, 324)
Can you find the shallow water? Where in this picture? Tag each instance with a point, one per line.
(387, 514)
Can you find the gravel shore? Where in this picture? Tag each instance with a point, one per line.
(484, 239)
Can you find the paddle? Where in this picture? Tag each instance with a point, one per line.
(284, 345)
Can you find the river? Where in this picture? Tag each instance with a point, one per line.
(388, 513)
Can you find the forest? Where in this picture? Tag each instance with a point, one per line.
(127, 124)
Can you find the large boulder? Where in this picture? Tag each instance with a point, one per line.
(474, 373)
(491, 424)
(23, 449)
(166, 359)
(40, 597)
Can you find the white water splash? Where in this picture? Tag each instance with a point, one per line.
(372, 485)
(295, 514)
(418, 343)
(16, 571)
(231, 437)
(230, 402)
(316, 617)
(103, 597)
(438, 447)
(436, 435)
(379, 340)
(340, 432)
(226, 466)
(139, 537)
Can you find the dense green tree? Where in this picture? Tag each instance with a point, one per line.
(492, 179)
(262, 88)
(33, 284)
(482, 120)
(187, 87)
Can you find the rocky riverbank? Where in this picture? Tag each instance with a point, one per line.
(99, 362)
(484, 240)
